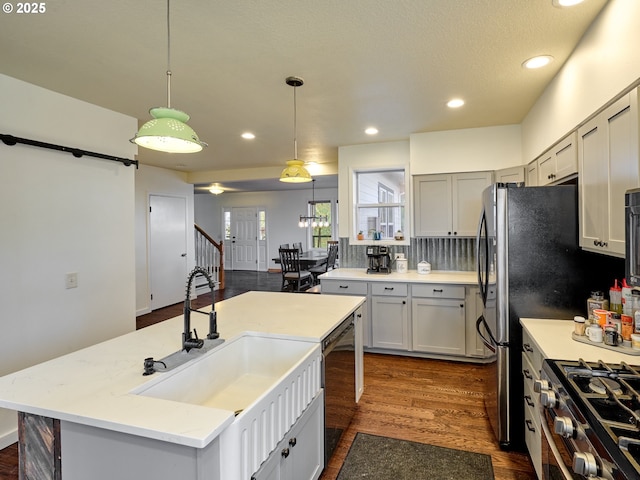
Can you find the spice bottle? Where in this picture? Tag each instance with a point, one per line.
(627, 304)
(615, 298)
(635, 295)
(597, 301)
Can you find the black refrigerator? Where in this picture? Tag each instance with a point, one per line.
(529, 265)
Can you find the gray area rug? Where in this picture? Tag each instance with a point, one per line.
(383, 458)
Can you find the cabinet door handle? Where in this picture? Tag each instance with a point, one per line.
(388, 288)
(462, 305)
(404, 302)
(527, 348)
(344, 286)
(448, 233)
(527, 374)
(529, 423)
(285, 452)
(527, 398)
(437, 290)
(293, 441)
(455, 233)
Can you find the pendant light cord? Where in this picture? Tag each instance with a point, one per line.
(295, 123)
(168, 57)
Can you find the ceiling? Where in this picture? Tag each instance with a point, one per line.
(392, 64)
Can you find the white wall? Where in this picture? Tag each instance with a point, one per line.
(466, 150)
(157, 181)
(605, 63)
(283, 210)
(62, 214)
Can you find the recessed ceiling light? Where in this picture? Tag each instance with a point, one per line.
(455, 103)
(565, 3)
(371, 131)
(537, 62)
(248, 136)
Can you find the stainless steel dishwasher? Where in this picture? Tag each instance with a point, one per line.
(339, 383)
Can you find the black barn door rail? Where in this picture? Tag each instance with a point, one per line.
(76, 152)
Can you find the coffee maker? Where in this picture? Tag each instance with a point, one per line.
(378, 259)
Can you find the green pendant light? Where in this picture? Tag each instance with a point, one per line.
(295, 172)
(168, 130)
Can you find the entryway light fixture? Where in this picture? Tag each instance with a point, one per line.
(313, 219)
(168, 131)
(295, 171)
(216, 189)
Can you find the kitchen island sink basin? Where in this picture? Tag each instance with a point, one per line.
(233, 376)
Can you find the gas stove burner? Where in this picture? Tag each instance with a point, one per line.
(597, 385)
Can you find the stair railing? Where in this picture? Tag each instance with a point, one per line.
(209, 255)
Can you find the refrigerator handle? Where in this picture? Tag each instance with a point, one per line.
(482, 279)
(490, 344)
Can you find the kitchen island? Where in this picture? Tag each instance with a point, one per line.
(89, 394)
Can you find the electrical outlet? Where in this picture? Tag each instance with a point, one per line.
(71, 280)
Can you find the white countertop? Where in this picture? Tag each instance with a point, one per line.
(91, 386)
(412, 276)
(553, 339)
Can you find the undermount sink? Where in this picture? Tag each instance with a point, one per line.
(233, 376)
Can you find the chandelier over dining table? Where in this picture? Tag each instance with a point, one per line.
(314, 220)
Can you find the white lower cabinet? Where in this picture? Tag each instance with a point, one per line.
(419, 319)
(438, 319)
(300, 454)
(389, 315)
(531, 365)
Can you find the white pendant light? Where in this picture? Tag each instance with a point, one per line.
(295, 172)
(168, 130)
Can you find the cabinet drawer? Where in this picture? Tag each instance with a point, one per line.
(530, 350)
(530, 397)
(346, 287)
(438, 291)
(389, 288)
(533, 437)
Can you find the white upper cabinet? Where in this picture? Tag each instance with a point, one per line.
(510, 175)
(608, 164)
(559, 162)
(448, 205)
(532, 174)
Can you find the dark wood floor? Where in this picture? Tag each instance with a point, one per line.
(426, 401)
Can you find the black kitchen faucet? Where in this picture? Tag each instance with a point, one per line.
(190, 341)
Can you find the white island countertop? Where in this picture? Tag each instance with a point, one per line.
(412, 276)
(553, 339)
(92, 386)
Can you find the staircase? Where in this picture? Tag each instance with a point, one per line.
(210, 256)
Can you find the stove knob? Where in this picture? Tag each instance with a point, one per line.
(584, 463)
(541, 385)
(548, 398)
(563, 426)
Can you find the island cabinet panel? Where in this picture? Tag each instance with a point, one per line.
(98, 454)
(300, 454)
(39, 447)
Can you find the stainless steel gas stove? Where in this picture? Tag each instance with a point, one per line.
(590, 420)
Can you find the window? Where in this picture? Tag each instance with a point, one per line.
(321, 234)
(380, 198)
(227, 225)
(262, 225)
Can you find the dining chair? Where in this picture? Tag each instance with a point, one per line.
(298, 245)
(284, 245)
(294, 279)
(330, 264)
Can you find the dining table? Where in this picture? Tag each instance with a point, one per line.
(309, 259)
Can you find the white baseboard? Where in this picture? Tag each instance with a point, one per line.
(143, 311)
(8, 438)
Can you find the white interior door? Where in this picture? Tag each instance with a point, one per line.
(167, 250)
(244, 238)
